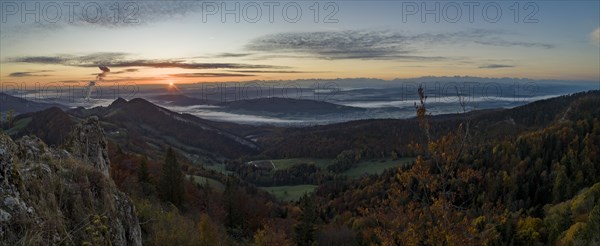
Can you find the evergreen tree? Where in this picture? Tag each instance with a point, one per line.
(9, 118)
(143, 176)
(306, 228)
(234, 218)
(171, 180)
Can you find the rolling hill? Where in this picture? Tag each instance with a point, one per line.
(142, 127)
(180, 100)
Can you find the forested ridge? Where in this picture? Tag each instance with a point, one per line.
(539, 188)
(537, 184)
(382, 137)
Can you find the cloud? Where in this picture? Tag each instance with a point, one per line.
(504, 43)
(265, 71)
(129, 70)
(84, 14)
(73, 81)
(333, 45)
(228, 55)
(595, 37)
(89, 60)
(182, 64)
(119, 60)
(30, 74)
(39, 60)
(209, 75)
(225, 55)
(492, 66)
(374, 45)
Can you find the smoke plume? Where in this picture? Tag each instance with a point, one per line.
(92, 83)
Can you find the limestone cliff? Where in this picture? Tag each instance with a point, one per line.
(87, 142)
(63, 196)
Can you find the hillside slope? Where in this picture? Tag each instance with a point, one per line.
(148, 125)
(52, 125)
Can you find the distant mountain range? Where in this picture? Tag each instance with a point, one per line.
(21, 105)
(180, 100)
(143, 127)
(286, 106)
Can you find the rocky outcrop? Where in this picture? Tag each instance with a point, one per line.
(62, 196)
(87, 142)
(10, 198)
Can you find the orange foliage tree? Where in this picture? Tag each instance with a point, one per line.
(433, 201)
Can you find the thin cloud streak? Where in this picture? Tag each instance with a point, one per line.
(209, 75)
(265, 71)
(119, 60)
(227, 55)
(493, 66)
(129, 70)
(505, 43)
(30, 74)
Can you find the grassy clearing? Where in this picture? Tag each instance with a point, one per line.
(18, 126)
(215, 184)
(282, 164)
(289, 193)
(375, 167)
(220, 167)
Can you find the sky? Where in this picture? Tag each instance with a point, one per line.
(163, 42)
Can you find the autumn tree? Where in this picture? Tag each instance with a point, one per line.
(171, 180)
(210, 233)
(591, 231)
(429, 202)
(270, 235)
